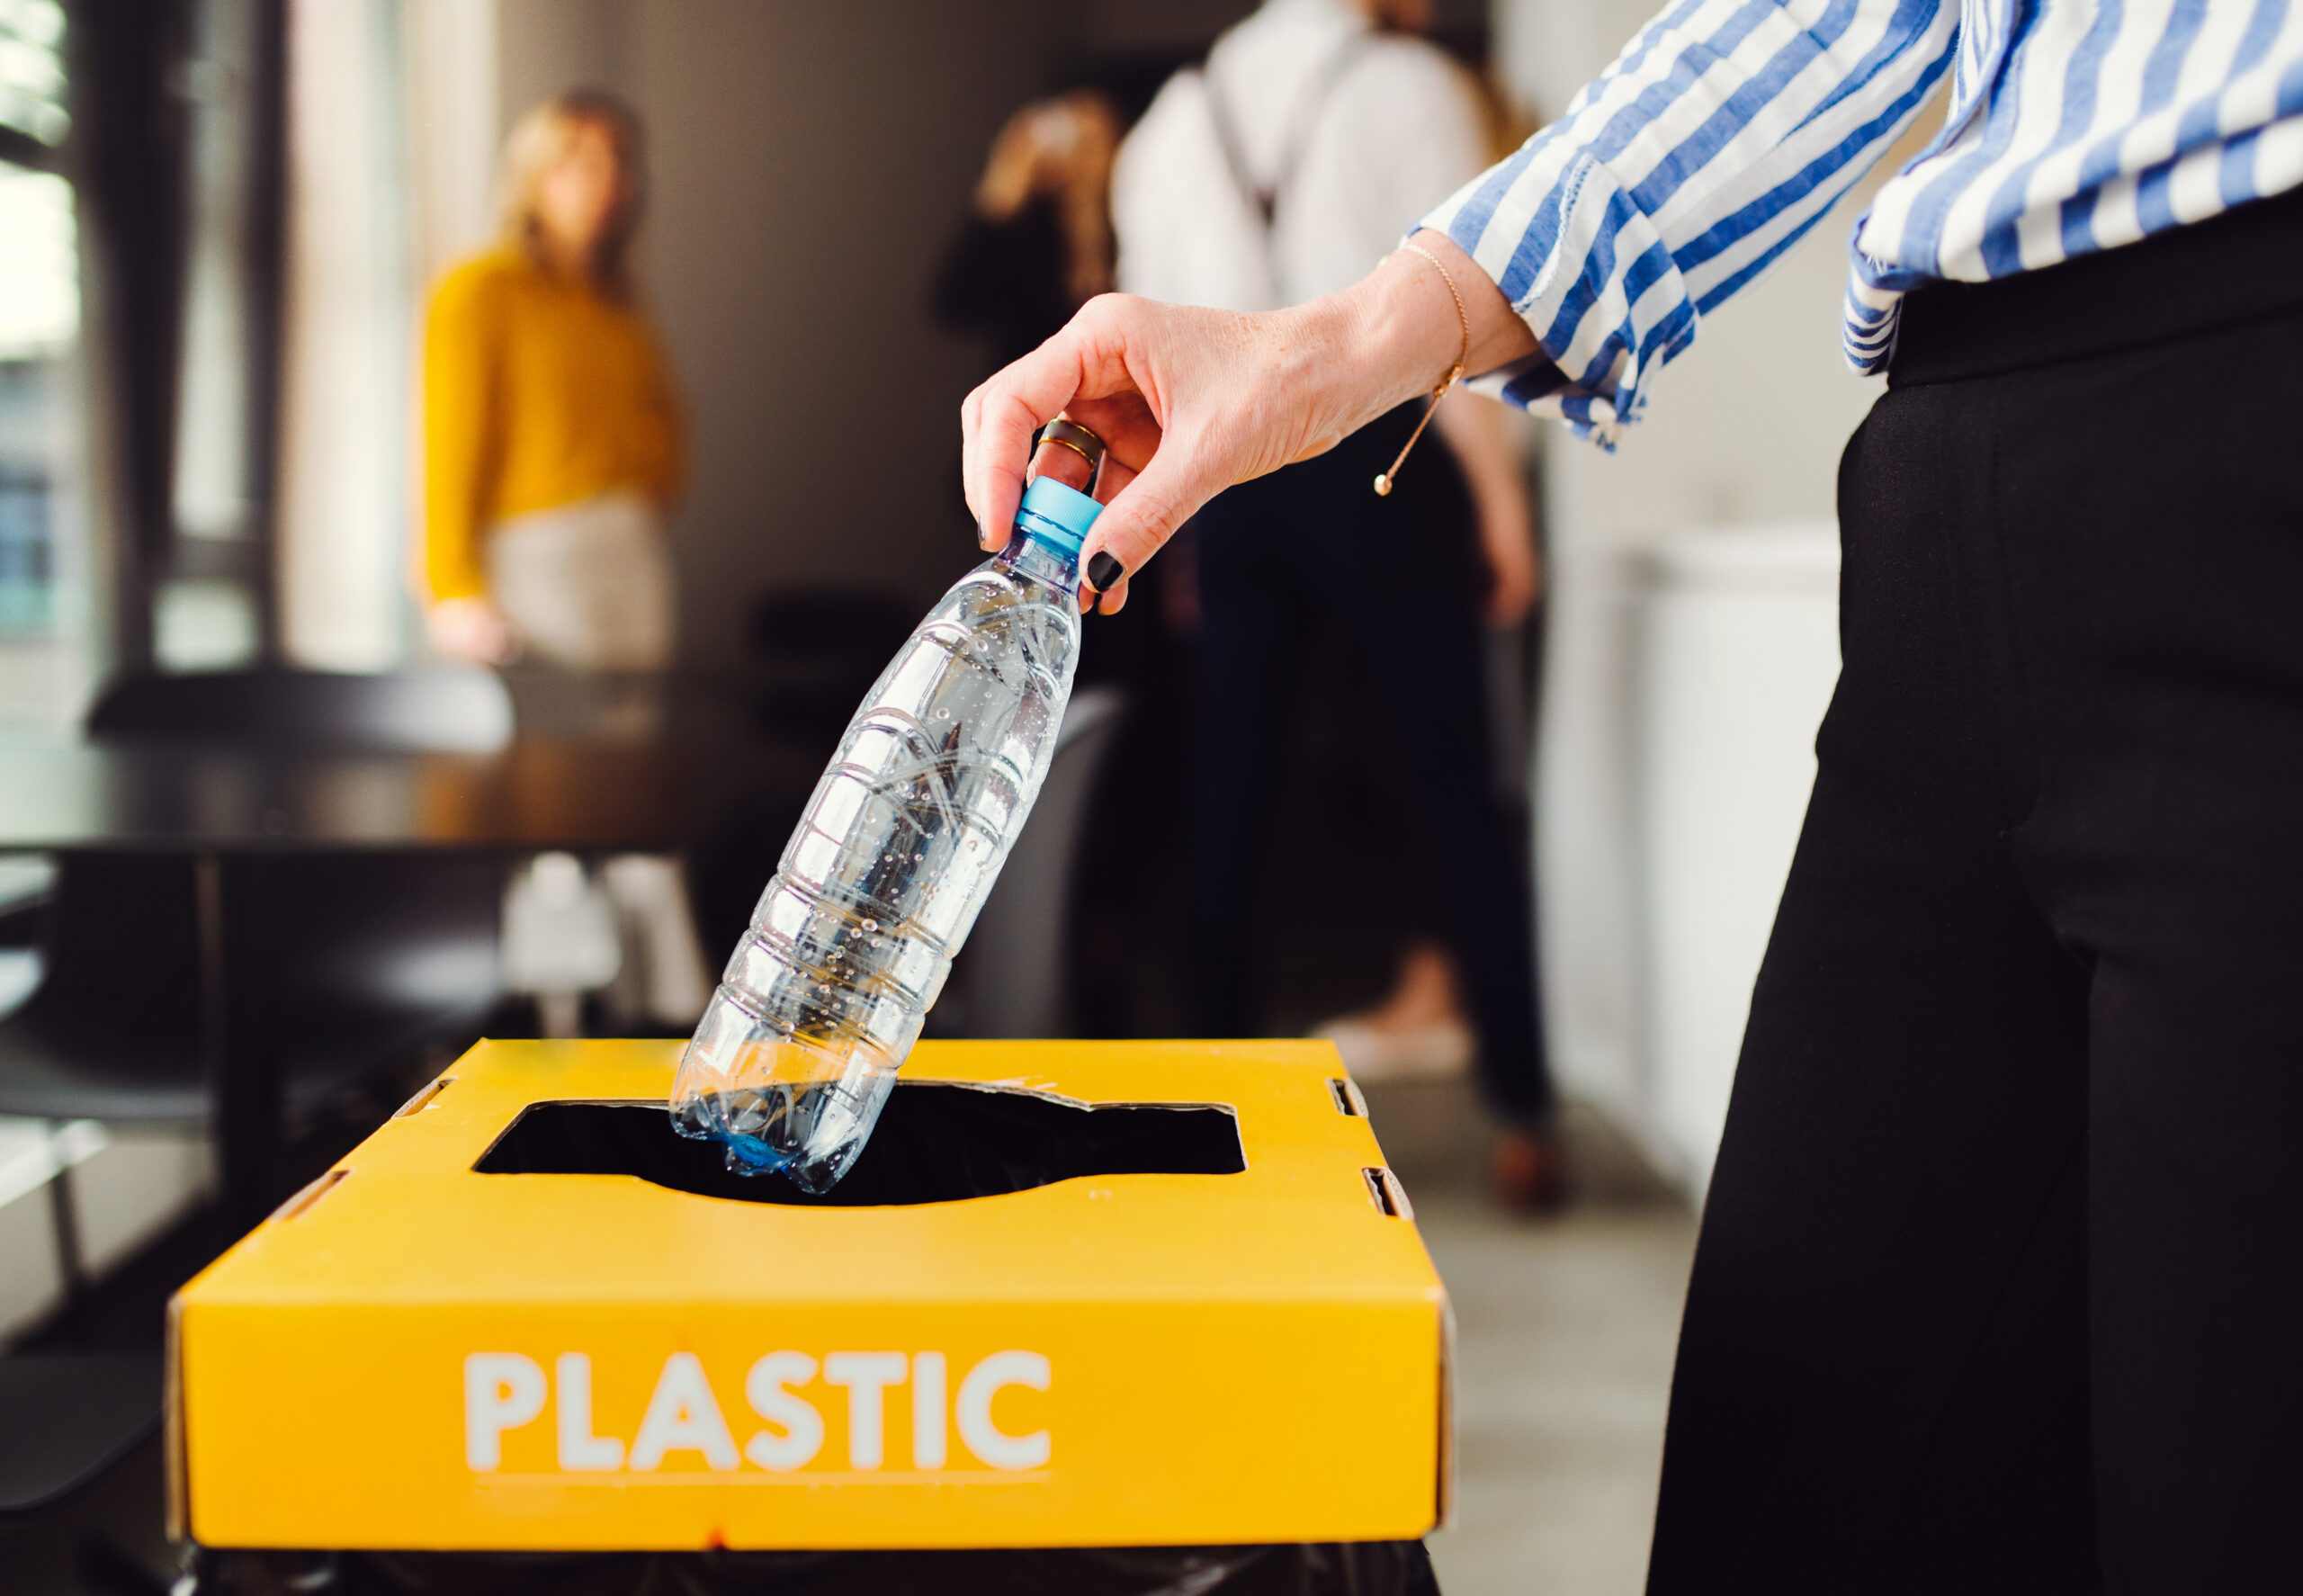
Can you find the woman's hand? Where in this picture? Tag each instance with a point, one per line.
(1514, 567)
(471, 630)
(1189, 401)
(1475, 429)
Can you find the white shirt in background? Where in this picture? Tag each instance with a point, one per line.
(1376, 144)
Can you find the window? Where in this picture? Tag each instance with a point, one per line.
(40, 327)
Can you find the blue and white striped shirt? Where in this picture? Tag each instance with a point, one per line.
(1729, 128)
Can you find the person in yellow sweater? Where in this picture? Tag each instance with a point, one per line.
(552, 448)
(553, 437)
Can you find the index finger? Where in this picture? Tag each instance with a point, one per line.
(996, 427)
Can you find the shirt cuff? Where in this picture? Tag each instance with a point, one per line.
(1588, 272)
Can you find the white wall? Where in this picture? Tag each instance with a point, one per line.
(811, 164)
(454, 123)
(546, 45)
(344, 394)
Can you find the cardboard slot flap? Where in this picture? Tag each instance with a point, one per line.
(1380, 1194)
(934, 1143)
(1390, 1197)
(312, 1193)
(422, 1099)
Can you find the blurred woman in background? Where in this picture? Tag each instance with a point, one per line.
(552, 448)
(552, 438)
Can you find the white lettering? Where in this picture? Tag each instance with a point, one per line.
(927, 1435)
(974, 1410)
(866, 1374)
(502, 1390)
(581, 1451)
(803, 1427)
(505, 1390)
(683, 1416)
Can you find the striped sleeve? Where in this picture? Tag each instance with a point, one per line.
(1724, 131)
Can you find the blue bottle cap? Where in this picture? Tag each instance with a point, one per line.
(1058, 516)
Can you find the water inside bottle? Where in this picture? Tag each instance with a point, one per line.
(810, 1132)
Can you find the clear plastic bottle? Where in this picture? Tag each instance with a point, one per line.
(900, 844)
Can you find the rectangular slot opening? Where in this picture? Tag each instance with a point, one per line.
(1388, 1194)
(1379, 1192)
(936, 1143)
(1348, 1100)
(422, 1099)
(305, 1198)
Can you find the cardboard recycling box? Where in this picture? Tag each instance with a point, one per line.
(525, 1316)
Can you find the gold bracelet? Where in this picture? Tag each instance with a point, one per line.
(1455, 372)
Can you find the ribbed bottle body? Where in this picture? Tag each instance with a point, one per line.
(900, 844)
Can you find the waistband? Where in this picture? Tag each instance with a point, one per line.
(2239, 267)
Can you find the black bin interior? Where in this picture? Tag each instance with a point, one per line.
(934, 1143)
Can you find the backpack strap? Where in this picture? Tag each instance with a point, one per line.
(1266, 199)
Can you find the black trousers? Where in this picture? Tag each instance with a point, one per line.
(1999, 1284)
(1403, 575)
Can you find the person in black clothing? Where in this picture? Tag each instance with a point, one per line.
(1037, 241)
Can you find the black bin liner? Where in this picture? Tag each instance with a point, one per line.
(936, 1143)
(1351, 1568)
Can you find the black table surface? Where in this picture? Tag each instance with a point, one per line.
(586, 795)
(237, 807)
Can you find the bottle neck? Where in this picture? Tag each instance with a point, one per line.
(1041, 548)
(1043, 553)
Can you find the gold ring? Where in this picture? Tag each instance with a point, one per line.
(1088, 433)
(1060, 443)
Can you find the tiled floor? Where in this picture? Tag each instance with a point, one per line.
(1565, 1334)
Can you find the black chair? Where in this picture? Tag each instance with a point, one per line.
(365, 960)
(67, 1417)
(371, 954)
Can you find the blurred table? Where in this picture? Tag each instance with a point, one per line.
(535, 795)
(229, 811)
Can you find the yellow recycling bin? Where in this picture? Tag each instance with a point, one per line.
(525, 1316)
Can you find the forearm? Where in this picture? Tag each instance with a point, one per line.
(1394, 334)
(452, 567)
(449, 535)
(457, 405)
(1190, 401)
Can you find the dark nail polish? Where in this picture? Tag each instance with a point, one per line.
(1104, 572)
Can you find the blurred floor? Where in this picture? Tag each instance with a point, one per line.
(1564, 1331)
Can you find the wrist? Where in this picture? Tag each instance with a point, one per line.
(1407, 332)
(1372, 347)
